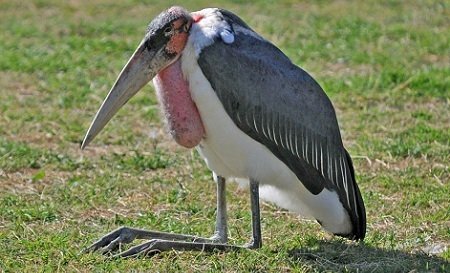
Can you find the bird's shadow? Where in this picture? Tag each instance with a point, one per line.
(335, 256)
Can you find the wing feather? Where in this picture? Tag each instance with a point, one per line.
(281, 106)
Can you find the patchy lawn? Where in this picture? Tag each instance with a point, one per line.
(384, 64)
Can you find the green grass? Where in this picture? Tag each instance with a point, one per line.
(384, 64)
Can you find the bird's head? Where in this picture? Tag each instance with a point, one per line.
(162, 45)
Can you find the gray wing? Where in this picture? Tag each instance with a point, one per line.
(282, 107)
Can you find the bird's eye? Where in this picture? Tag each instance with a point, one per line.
(185, 28)
(167, 30)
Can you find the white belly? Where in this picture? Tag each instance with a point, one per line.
(230, 153)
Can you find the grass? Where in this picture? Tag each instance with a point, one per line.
(385, 65)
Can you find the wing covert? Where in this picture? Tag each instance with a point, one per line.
(282, 107)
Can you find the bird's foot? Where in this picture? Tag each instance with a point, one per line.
(158, 242)
(113, 240)
(253, 244)
(156, 246)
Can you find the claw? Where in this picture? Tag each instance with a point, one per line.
(111, 247)
(112, 241)
(145, 249)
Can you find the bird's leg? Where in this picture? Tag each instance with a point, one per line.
(161, 241)
(124, 235)
(218, 240)
(221, 233)
(256, 241)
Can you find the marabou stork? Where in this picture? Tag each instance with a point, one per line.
(251, 114)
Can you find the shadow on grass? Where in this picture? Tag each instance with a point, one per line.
(340, 257)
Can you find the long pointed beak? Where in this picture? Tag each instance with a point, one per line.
(139, 70)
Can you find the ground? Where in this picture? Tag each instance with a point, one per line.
(384, 64)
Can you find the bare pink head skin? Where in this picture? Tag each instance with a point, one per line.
(158, 57)
(181, 113)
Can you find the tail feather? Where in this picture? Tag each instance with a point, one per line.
(358, 212)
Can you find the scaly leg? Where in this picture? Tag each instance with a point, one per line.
(161, 241)
(256, 241)
(124, 235)
(221, 233)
